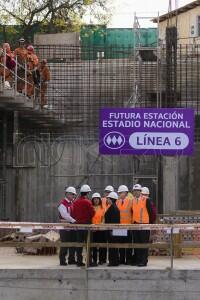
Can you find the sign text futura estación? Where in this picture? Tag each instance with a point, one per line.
(146, 131)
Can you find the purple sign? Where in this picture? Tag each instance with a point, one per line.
(157, 131)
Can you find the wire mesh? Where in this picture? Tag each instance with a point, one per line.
(85, 79)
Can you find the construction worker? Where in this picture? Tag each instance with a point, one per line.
(98, 254)
(112, 216)
(136, 191)
(83, 212)
(32, 64)
(45, 77)
(21, 54)
(105, 200)
(145, 193)
(124, 203)
(10, 62)
(64, 210)
(7, 63)
(142, 214)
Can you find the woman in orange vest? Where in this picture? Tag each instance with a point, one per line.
(124, 204)
(98, 254)
(142, 214)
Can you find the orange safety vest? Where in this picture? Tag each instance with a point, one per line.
(99, 215)
(104, 204)
(125, 209)
(140, 213)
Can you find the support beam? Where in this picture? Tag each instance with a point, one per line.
(170, 184)
(17, 204)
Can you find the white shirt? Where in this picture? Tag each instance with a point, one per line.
(65, 213)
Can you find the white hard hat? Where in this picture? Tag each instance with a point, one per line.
(122, 188)
(21, 40)
(70, 189)
(85, 189)
(96, 195)
(145, 190)
(109, 188)
(137, 187)
(113, 195)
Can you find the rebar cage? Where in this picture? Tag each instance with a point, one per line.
(85, 79)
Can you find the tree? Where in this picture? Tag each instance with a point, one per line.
(51, 15)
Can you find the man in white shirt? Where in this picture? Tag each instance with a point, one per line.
(64, 208)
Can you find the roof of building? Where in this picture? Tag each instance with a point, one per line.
(178, 11)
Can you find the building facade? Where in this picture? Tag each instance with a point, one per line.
(187, 21)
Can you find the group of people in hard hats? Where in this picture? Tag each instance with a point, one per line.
(32, 75)
(120, 207)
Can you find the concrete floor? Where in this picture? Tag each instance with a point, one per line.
(10, 260)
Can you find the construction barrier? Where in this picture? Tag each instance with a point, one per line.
(174, 245)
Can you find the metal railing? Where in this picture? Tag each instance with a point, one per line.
(170, 245)
(35, 98)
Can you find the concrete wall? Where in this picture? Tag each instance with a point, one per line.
(185, 21)
(181, 187)
(99, 284)
(70, 38)
(170, 184)
(44, 169)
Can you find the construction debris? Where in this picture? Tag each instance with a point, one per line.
(50, 236)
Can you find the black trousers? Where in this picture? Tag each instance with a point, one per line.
(98, 254)
(67, 236)
(81, 236)
(141, 255)
(125, 255)
(113, 253)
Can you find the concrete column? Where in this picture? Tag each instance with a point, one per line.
(170, 184)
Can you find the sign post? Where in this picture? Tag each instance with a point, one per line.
(147, 131)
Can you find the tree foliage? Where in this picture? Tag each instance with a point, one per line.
(51, 15)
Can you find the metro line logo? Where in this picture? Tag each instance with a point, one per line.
(114, 140)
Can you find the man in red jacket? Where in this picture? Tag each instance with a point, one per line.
(82, 212)
(64, 209)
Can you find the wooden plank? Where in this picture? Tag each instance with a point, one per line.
(74, 245)
(63, 225)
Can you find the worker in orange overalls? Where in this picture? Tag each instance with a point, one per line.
(98, 254)
(142, 214)
(32, 64)
(21, 54)
(124, 204)
(45, 76)
(7, 62)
